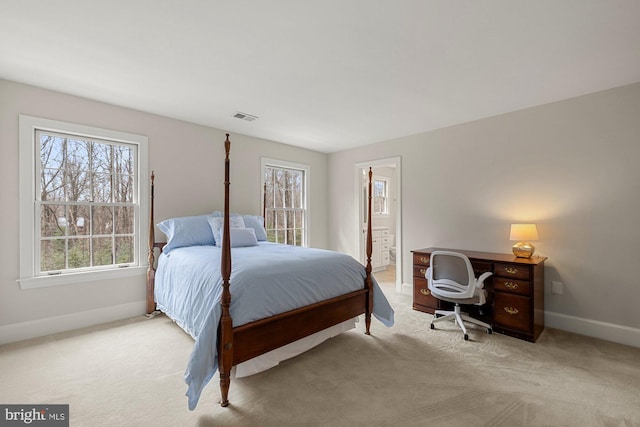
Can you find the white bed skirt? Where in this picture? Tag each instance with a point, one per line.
(274, 357)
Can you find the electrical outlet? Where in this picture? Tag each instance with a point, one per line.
(556, 288)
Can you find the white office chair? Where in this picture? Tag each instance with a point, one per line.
(450, 278)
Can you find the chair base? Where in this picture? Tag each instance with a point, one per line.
(459, 318)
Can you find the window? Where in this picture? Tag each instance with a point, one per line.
(285, 202)
(80, 210)
(380, 196)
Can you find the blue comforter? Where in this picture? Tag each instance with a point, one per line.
(267, 279)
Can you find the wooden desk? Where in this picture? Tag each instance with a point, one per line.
(515, 291)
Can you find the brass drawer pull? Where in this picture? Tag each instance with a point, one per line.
(424, 291)
(511, 270)
(511, 310)
(510, 285)
(424, 260)
(423, 271)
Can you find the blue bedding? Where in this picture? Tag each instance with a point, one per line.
(267, 279)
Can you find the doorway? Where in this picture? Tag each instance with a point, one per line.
(386, 217)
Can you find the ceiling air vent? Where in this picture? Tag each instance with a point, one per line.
(245, 116)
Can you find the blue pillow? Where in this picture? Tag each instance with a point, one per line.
(241, 237)
(215, 224)
(186, 231)
(250, 221)
(257, 223)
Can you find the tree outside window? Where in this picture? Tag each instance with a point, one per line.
(285, 205)
(86, 202)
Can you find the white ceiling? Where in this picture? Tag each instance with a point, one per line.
(327, 74)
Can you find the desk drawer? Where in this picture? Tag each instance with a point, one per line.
(421, 259)
(520, 287)
(512, 311)
(512, 270)
(422, 294)
(419, 271)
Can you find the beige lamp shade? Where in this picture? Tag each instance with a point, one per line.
(522, 234)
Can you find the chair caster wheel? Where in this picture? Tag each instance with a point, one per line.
(432, 327)
(466, 337)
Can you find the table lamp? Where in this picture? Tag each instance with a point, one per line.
(522, 234)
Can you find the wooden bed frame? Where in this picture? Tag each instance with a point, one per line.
(241, 343)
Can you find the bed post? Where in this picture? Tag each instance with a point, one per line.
(225, 342)
(151, 271)
(368, 282)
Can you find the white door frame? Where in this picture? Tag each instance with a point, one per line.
(393, 162)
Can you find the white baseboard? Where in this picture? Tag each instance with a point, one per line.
(593, 328)
(68, 322)
(407, 288)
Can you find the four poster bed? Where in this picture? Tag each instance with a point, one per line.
(286, 299)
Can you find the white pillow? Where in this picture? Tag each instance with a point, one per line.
(250, 221)
(241, 237)
(217, 222)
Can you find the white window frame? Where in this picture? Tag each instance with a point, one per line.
(28, 162)
(386, 196)
(307, 178)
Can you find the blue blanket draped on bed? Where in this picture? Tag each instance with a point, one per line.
(267, 279)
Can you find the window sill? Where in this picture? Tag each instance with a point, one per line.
(89, 276)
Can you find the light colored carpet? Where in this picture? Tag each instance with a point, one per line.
(129, 373)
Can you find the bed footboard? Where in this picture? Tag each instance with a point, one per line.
(261, 336)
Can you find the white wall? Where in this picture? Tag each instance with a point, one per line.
(571, 167)
(188, 160)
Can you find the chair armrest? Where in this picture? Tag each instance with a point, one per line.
(480, 280)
